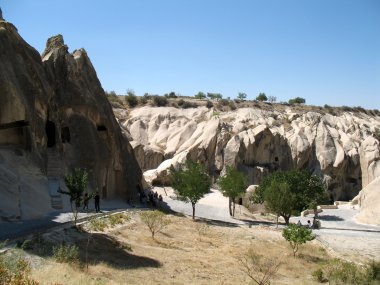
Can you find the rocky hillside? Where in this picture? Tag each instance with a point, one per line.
(342, 149)
(54, 114)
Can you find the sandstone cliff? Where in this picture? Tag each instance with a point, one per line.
(369, 202)
(341, 148)
(55, 115)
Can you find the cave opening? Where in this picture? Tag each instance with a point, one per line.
(101, 128)
(50, 133)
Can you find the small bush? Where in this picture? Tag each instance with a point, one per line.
(15, 270)
(373, 271)
(318, 275)
(337, 271)
(187, 104)
(209, 104)
(259, 268)
(131, 99)
(118, 219)
(155, 220)
(66, 253)
(97, 224)
(297, 100)
(160, 101)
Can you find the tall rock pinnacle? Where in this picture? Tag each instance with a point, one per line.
(1, 15)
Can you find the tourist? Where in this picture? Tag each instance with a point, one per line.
(97, 202)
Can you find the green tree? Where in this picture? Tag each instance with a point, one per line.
(297, 100)
(76, 182)
(297, 235)
(200, 95)
(242, 96)
(279, 200)
(191, 183)
(214, 96)
(233, 185)
(262, 97)
(131, 98)
(305, 190)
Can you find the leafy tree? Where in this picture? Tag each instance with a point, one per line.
(305, 189)
(214, 96)
(297, 235)
(191, 183)
(242, 96)
(131, 98)
(262, 97)
(233, 184)
(156, 221)
(279, 200)
(272, 99)
(76, 182)
(171, 95)
(297, 100)
(200, 95)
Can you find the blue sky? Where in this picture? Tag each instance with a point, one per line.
(326, 51)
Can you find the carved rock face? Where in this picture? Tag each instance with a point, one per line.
(340, 149)
(55, 109)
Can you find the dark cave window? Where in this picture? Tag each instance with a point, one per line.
(101, 128)
(65, 135)
(50, 133)
(276, 158)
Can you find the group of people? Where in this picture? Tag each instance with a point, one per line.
(87, 198)
(314, 225)
(150, 197)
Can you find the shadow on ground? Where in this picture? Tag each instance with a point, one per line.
(93, 249)
(105, 249)
(330, 218)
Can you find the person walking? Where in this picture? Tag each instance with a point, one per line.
(97, 202)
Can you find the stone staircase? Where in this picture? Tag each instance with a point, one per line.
(54, 174)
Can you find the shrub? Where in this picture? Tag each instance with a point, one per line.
(155, 220)
(118, 219)
(131, 99)
(187, 104)
(259, 268)
(318, 275)
(66, 253)
(15, 270)
(171, 95)
(373, 271)
(97, 224)
(262, 97)
(232, 105)
(209, 104)
(297, 235)
(160, 101)
(297, 100)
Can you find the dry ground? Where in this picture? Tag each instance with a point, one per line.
(186, 252)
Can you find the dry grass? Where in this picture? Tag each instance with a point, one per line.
(186, 252)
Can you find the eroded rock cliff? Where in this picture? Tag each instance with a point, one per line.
(341, 148)
(54, 114)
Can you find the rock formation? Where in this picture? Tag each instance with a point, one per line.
(341, 149)
(54, 113)
(369, 202)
